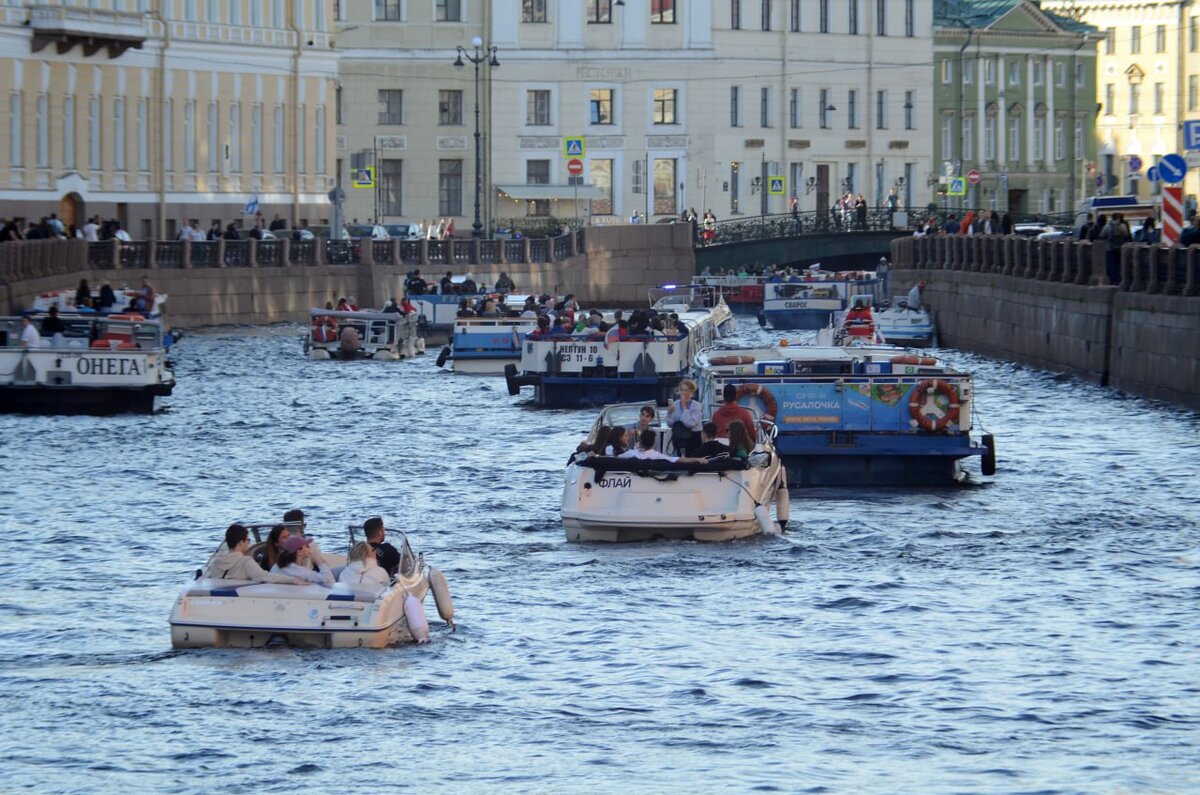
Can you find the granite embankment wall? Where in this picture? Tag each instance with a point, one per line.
(605, 266)
(1049, 305)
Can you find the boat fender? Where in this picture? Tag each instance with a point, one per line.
(441, 595)
(510, 375)
(719, 360)
(762, 318)
(418, 625)
(987, 464)
(783, 504)
(764, 520)
(420, 345)
(443, 356)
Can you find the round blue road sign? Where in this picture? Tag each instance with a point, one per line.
(1152, 173)
(1135, 163)
(1172, 169)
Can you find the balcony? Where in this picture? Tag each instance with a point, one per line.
(93, 29)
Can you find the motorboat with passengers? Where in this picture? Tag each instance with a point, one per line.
(218, 613)
(124, 298)
(858, 414)
(743, 292)
(611, 498)
(809, 300)
(439, 310)
(368, 334)
(906, 321)
(571, 370)
(96, 364)
(487, 343)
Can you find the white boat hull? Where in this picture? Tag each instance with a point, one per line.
(482, 366)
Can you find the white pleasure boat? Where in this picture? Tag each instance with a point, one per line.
(367, 334)
(607, 498)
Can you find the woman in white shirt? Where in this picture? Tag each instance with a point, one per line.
(363, 570)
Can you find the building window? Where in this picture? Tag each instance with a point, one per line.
(234, 152)
(662, 12)
(989, 138)
(189, 136)
(664, 105)
(450, 107)
(213, 135)
(1080, 76)
(947, 71)
(318, 143)
(852, 10)
(735, 115)
(448, 11)
(94, 133)
(385, 10)
(989, 71)
(391, 187)
(1014, 72)
(968, 73)
(1110, 41)
(1160, 38)
(735, 14)
(537, 108)
(1079, 139)
(391, 106)
(450, 175)
(533, 10)
(599, 12)
(881, 114)
(764, 106)
(537, 172)
(235, 12)
(1039, 70)
(337, 103)
(43, 133)
(1060, 74)
(823, 16)
(1193, 34)
(794, 118)
(910, 22)
(143, 136)
(1158, 99)
(765, 15)
(68, 117)
(1135, 39)
(1135, 96)
(601, 106)
(1039, 139)
(301, 129)
(256, 140)
(1014, 138)
(277, 13)
(968, 138)
(823, 110)
(947, 137)
(665, 185)
(1110, 94)
(279, 147)
(880, 17)
(1060, 140)
(852, 110)
(794, 16)
(910, 104)
(601, 173)
(1193, 92)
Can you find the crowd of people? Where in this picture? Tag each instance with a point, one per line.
(290, 557)
(51, 227)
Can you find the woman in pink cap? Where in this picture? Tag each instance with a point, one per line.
(294, 561)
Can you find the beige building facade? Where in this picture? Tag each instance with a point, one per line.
(156, 112)
(734, 105)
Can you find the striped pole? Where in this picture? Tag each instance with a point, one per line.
(1172, 214)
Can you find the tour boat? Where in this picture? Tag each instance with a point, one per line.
(810, 301)
(100, 364)
(608, 498)
(864, 413)
(742, 293)
(368, 334)
(487, 344)
(218, 613)
(65, 301)
(583, 370)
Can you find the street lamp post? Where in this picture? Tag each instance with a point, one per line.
(478, 56)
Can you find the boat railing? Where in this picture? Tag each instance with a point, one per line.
(631, 356)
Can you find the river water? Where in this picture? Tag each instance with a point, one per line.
(1036, 634)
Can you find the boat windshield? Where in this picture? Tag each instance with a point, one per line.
(626, 414)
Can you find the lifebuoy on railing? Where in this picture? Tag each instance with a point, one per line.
(925, 409)
(323, 331)
(134, 317)
(719, 360)
(925, 360)
(762, 393)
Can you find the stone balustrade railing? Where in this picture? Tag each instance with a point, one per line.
(1143, 268)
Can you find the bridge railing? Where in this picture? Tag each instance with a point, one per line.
(1135, 267)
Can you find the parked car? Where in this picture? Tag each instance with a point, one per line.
(373, 231)
(402, 231)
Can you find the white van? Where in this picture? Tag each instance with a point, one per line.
(1133, 208)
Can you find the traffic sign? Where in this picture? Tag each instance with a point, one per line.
(1172, 169)
(574, 147)
(973, 176)
(1191, 134)
(1004, 180)
(1172, 214)
(1135, 163)
(957, 187)
(776, 186)
(1151, 174)
(574, 167)
(364, 177)
(1100, 179)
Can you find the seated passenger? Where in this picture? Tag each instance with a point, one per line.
(563, 328)
(740, 444)
(543, 329)
(295, 561)
(268, 556)
(363, 570)
(647, 417)
(710, 448)
(464, 308)
(408, 307)
(859, 320)
(645, 450)
(387, 555)
(235, 564)
(618, 442)
(531, 309)
(489, 309)
(730, 411)
(596, 447)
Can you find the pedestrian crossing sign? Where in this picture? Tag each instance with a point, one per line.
(574, 147)
(364, 177)
(956, 187)
(776, 186)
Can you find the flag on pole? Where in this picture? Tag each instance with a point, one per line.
(251, 207)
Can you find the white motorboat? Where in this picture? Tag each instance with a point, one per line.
(218, 613)
(367, 334)
(65, 301)
(98, 364)
(900, 324)
(608, 498)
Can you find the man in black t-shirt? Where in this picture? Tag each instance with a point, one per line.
(711, 448)
(385, 553)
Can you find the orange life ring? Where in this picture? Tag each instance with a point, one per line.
(925, 360)
(923, 393)
(324, 329)
(719, 360)
(134, 317)
(762, 393)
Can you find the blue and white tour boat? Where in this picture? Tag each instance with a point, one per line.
(811, 301)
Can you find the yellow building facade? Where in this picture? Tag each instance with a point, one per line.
(159, 112)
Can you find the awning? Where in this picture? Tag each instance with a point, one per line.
(558, 192)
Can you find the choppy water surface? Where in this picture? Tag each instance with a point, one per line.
(1038, 634)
